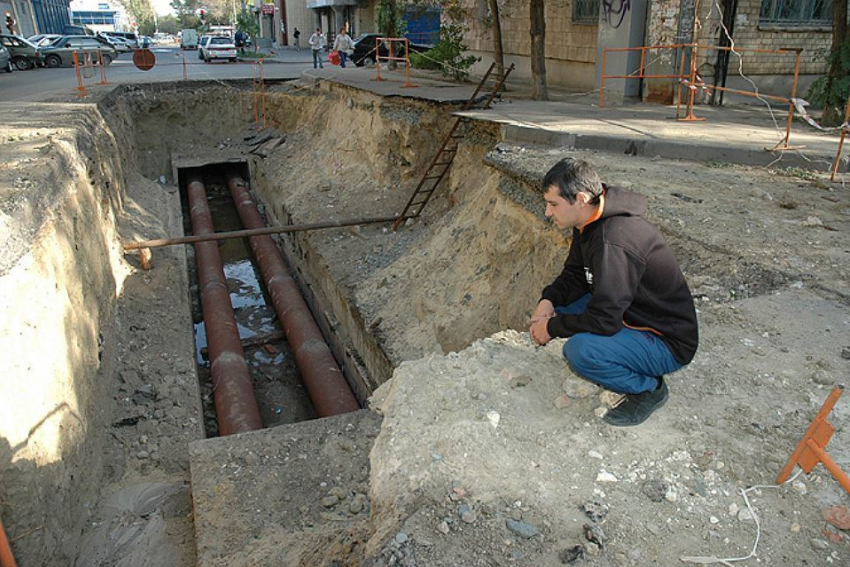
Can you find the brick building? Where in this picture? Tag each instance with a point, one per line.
(578, 30)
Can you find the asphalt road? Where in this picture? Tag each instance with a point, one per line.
(43, 84)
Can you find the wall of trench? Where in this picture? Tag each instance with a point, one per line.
(57, 302)
(434, 286)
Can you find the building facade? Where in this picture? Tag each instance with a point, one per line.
(577, 31)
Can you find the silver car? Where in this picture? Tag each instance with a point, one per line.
(5, 59)
(60, 53)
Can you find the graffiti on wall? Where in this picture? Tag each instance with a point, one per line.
(615, 15)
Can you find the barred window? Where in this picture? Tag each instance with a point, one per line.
(586, 11)
(796, 12)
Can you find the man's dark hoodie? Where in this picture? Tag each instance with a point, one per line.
(635, 282)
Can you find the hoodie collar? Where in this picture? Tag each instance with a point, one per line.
(600, 208)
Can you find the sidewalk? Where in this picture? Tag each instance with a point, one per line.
(733, 134)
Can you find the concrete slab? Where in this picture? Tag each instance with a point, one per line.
(741, 134)
(393, 84)
(294, 494)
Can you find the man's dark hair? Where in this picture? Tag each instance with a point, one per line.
(571, 176)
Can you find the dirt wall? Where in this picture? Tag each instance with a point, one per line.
(57, 301)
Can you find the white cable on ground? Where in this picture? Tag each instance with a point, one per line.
(711, 559)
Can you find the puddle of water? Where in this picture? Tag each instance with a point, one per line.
(280, 395)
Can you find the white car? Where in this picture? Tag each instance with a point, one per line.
(218, 47)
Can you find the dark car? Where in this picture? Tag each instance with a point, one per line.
(364, 49)
(25, 54)
(5, 60)
(60, 53)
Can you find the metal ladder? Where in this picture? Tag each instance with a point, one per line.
(445, 156)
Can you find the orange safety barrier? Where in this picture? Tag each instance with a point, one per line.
(841, 141)
(81, 69)
(692, 81)
(390, 57)
(811, 449)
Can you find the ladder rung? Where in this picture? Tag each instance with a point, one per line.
(450, 150)
(432, 177)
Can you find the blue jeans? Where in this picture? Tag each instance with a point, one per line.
(343, 57)
(627, 362)
(317, 59)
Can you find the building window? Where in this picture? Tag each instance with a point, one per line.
(796, 13)
(586, 11)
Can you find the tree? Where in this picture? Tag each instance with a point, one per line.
(498, 52)
(390, 23)
(168, 24)
(141, 11)
(839, 65)
(538, 51)
(187, 13)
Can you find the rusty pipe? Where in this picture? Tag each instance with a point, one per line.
(235, 404)
(322, 378)
(6, 557)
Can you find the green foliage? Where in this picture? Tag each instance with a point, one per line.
(448, 54)
(389, 19)
(168, 24)
(247, 22)
(831, 93)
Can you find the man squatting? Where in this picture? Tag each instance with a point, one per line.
(621, 299)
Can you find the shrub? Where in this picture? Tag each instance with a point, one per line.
(448, 54)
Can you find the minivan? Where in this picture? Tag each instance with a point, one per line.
(188, 39)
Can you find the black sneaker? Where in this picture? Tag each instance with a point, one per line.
(636, 408)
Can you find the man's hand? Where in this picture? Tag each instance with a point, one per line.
(544, 310)
(540, 332)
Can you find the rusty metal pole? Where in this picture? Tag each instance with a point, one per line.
(323, 379)
(235, 404)
(7, 559)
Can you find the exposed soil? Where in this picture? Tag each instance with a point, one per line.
(490, 452)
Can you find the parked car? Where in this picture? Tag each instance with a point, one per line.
(120, 44)
(130, 39)
(218, 47)
(145, 42)
(364, 49)
(61, 52)
(202, 43)
(25, 55)
(43, 39)
(5, 60)
(188, 39)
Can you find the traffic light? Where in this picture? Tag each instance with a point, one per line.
(202, 12)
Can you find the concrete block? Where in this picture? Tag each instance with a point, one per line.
(261, 498)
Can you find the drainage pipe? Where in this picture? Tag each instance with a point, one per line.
(235, 405)
(323, 379)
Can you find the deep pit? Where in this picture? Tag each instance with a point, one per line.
(106, 377)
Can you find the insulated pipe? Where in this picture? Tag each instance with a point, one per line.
(323, 379)
(235, 405)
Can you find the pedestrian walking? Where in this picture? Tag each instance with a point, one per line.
(344, 46)
(11, 24)
(317, 42)
(297, 35)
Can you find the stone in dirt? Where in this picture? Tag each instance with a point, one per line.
(571, 555)
(595, 510)
(655, 490)
(594, 534)
(577, 388)
(522, 529)
(838, 516)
